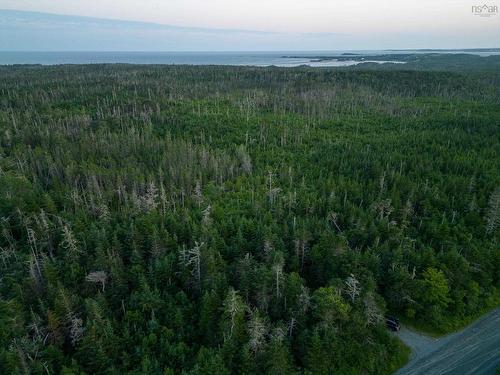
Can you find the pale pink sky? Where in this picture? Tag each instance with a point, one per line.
(358, 16)
(416, 23)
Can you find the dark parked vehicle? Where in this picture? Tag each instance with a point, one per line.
(392, 323)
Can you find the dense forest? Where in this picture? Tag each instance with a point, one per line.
(240, 220)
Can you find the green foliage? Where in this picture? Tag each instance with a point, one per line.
(329, 306)
(435, 288)
(197, 220)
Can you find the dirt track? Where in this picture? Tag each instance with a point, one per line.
(474, 350)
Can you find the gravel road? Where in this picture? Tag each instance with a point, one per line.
(474, 350)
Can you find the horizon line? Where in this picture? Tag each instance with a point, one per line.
(478, 49)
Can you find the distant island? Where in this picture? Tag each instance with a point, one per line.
(452, 50)
(419, 60)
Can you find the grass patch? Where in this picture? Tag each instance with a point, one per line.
(400, 359)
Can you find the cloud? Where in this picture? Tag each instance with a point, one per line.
(15, 18)
(32, 31)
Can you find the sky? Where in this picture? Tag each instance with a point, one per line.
(232, 25)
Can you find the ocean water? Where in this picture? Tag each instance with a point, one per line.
(282, 59)
(178, 58)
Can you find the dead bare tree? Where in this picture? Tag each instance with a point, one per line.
(97, 277)
(372, 312)
(257, 330)
(352, 287)
(493, 214)
(278, 275)
(69, 242)
(191, 259)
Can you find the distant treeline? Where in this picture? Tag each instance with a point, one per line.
(435, 61)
